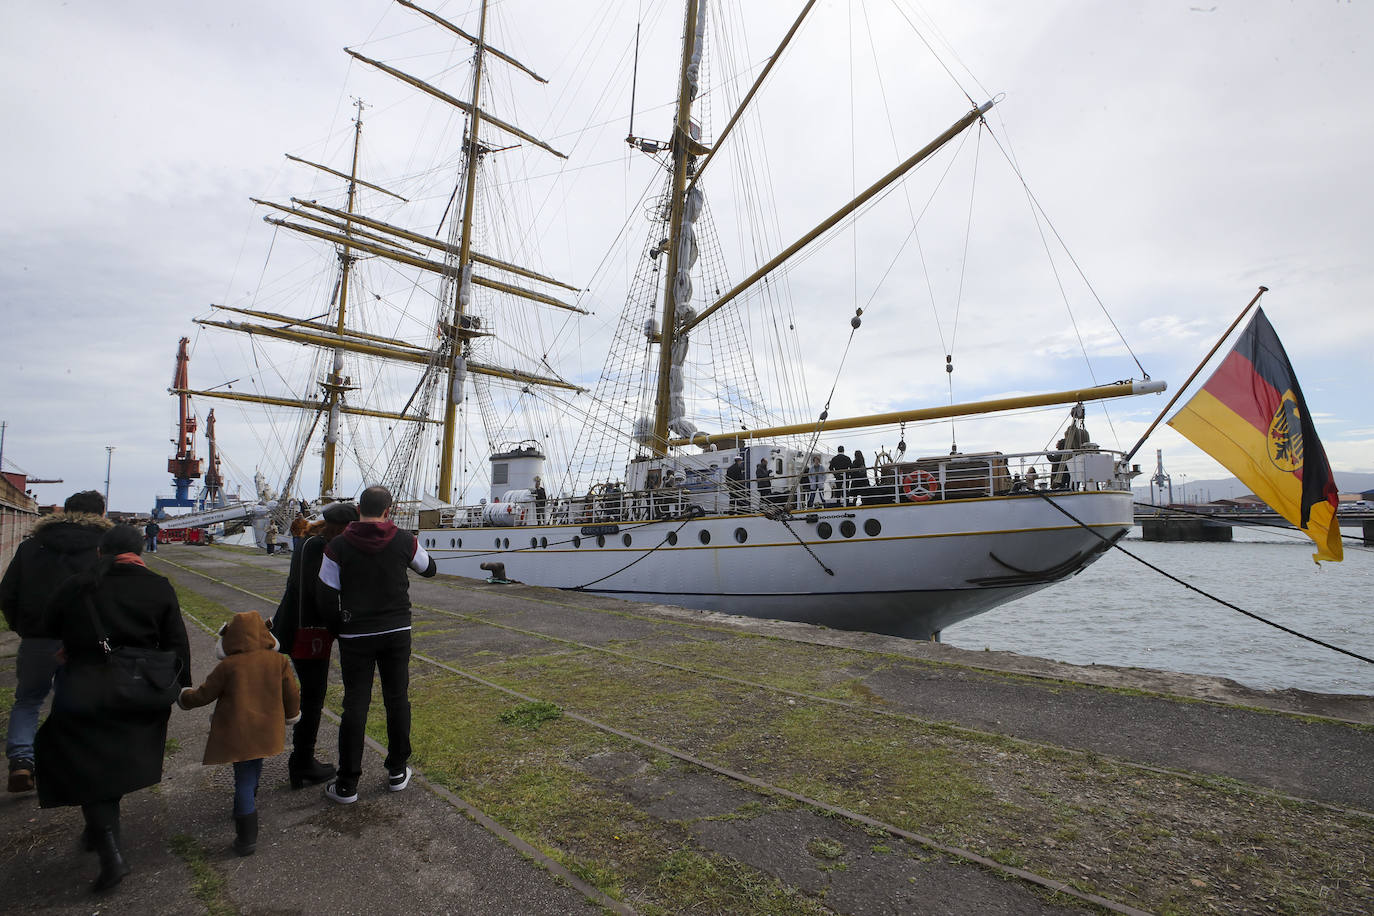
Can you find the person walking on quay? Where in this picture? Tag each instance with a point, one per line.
(255, 698)
(150, 531)
(271, 539)
(299, 626)
(298, 526)
(363, 580)
(92, 754)
(59, 546)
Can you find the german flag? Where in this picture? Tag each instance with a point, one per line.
(1251, 417)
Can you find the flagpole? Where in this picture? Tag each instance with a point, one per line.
(1184, 387)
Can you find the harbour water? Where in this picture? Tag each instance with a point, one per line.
(1120, 612)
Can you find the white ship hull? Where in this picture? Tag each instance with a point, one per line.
(907, 569)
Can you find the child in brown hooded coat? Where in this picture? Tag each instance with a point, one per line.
(257, 698)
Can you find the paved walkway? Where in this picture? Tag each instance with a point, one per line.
(411, 852)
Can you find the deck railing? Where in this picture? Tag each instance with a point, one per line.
(931, 479)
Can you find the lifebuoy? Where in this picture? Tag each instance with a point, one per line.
(919, 486)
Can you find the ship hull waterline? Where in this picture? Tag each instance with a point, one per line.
(909, 569)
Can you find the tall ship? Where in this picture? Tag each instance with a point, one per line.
(715, 458)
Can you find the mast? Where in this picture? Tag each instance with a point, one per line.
(454, 358)
(681, 145)
(334, 385)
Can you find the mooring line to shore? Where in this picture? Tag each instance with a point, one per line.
(486, 821)
(1186, 775)
(1052, 885)
(1188, 585)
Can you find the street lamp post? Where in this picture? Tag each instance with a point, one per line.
(109, 454)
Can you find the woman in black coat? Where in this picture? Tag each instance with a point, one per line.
(297, 609)
(93, 758)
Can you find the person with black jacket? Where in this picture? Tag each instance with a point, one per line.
(839, 467)
(94, 757)
(58, 547)
(364, 584)
(299, 608)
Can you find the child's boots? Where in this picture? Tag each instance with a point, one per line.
(246, 827)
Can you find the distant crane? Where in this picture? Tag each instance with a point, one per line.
(184, 466)
(1161, 479)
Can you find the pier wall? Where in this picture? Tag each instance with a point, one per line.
(1176, 528)
(18, 512)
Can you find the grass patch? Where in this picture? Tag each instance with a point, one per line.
(207, 885)
(171, 747)
(531, 715)
(211, 613)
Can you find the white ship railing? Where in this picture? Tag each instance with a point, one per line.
(927, 479)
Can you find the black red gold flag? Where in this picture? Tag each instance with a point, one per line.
(1252, 418)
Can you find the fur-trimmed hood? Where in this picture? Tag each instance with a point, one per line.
(70, 532)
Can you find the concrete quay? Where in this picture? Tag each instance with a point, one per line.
(581, 754)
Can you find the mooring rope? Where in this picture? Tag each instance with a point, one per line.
(1205, 594)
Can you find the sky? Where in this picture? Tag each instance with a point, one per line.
(1186, 153)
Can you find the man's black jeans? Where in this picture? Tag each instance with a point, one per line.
(389, 654)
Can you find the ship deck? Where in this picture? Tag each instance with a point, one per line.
(579, 753)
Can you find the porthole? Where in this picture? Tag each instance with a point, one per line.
(543, 542)
(741, 535)
(601, 540)
(823, 531)
(672, 538)
(452, 542)
(847, 528)
(873, 527)
(534, 542)
(506, 543)
(577, 540)
(460, 542)
(704, 536)
(498, 543)
(626, 540)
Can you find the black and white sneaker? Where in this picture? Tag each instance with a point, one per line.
(397, 781)
(344, 795)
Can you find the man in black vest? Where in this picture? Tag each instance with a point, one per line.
(364, 577)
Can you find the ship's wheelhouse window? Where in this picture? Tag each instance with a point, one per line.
(823, 531)
(672, 538)
(741, 535)
(500, 473)
(873, 527)
(847, 528)
(626, 540)
(704, 536)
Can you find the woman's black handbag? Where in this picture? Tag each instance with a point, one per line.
(131, 678)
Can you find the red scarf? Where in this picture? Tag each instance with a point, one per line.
(133, 558)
